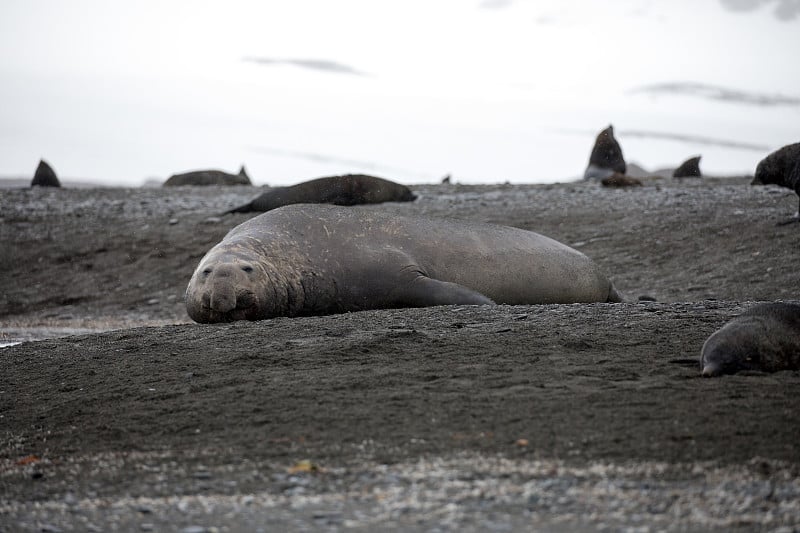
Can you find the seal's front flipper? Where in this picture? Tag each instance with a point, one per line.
(423, 291)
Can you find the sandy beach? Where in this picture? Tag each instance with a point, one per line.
(119, 413)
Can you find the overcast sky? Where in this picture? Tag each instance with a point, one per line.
(487, 90)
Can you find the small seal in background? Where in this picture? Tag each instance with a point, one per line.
(349, 189)
(45, 176)
(781, 167)
(209, 177)
(688, 169)
(606, 157)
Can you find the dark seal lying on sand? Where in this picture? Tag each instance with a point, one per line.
(765, 337)
(606, 157)
(209, 177)
(309, 259)
(781, 167)
(349, 189)
(45, 176)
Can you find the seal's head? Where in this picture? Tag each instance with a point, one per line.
(736, 346)
(227, 286)
(768, 171)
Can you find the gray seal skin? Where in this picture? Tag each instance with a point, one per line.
(313, 259)
(606, 157)
(765, 337)
(209, 177)
(45, 176)
(781, 167)
(349, 189)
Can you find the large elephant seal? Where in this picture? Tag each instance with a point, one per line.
(45, 176)
(349, 189)
(765, 337)
(781, 167)
(606, 157)
(688, 169)
(209, 177)
(311, 259)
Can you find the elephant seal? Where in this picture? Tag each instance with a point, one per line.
(209, 177)
(688, 169)
(606, 157)
(781, 167)
(765, 337)
(313, 259)
(349, 189)
(45, 176)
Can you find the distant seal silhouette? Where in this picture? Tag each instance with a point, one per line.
(349, 189)
(620, 180)
(314, 259)
(606, 157)
(765, 337)
(45, 176)
(688, 169)
(781, 167)
(209, 177)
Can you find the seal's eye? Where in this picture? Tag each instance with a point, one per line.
(247, 269)
(206, 271)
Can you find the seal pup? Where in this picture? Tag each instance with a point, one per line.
(209, 177)
(45, 176)
(688, 169)
(765, 337)
(781, 167)
(315, 259)
(606, 157)
(349, 189)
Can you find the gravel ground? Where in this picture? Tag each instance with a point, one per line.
(558, 417)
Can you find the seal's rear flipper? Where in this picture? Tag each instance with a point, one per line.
(426, 292)
(613, 295)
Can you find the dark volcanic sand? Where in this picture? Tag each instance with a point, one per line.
(560, 417)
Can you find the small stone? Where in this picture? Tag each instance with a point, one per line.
(173, 221)
(194, 529)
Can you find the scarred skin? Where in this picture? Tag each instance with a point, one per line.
(765, 338)
(310, 259)
(349, 189)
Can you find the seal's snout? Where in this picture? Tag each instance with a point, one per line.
(223, 297)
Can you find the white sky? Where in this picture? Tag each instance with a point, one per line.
(118, 92)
